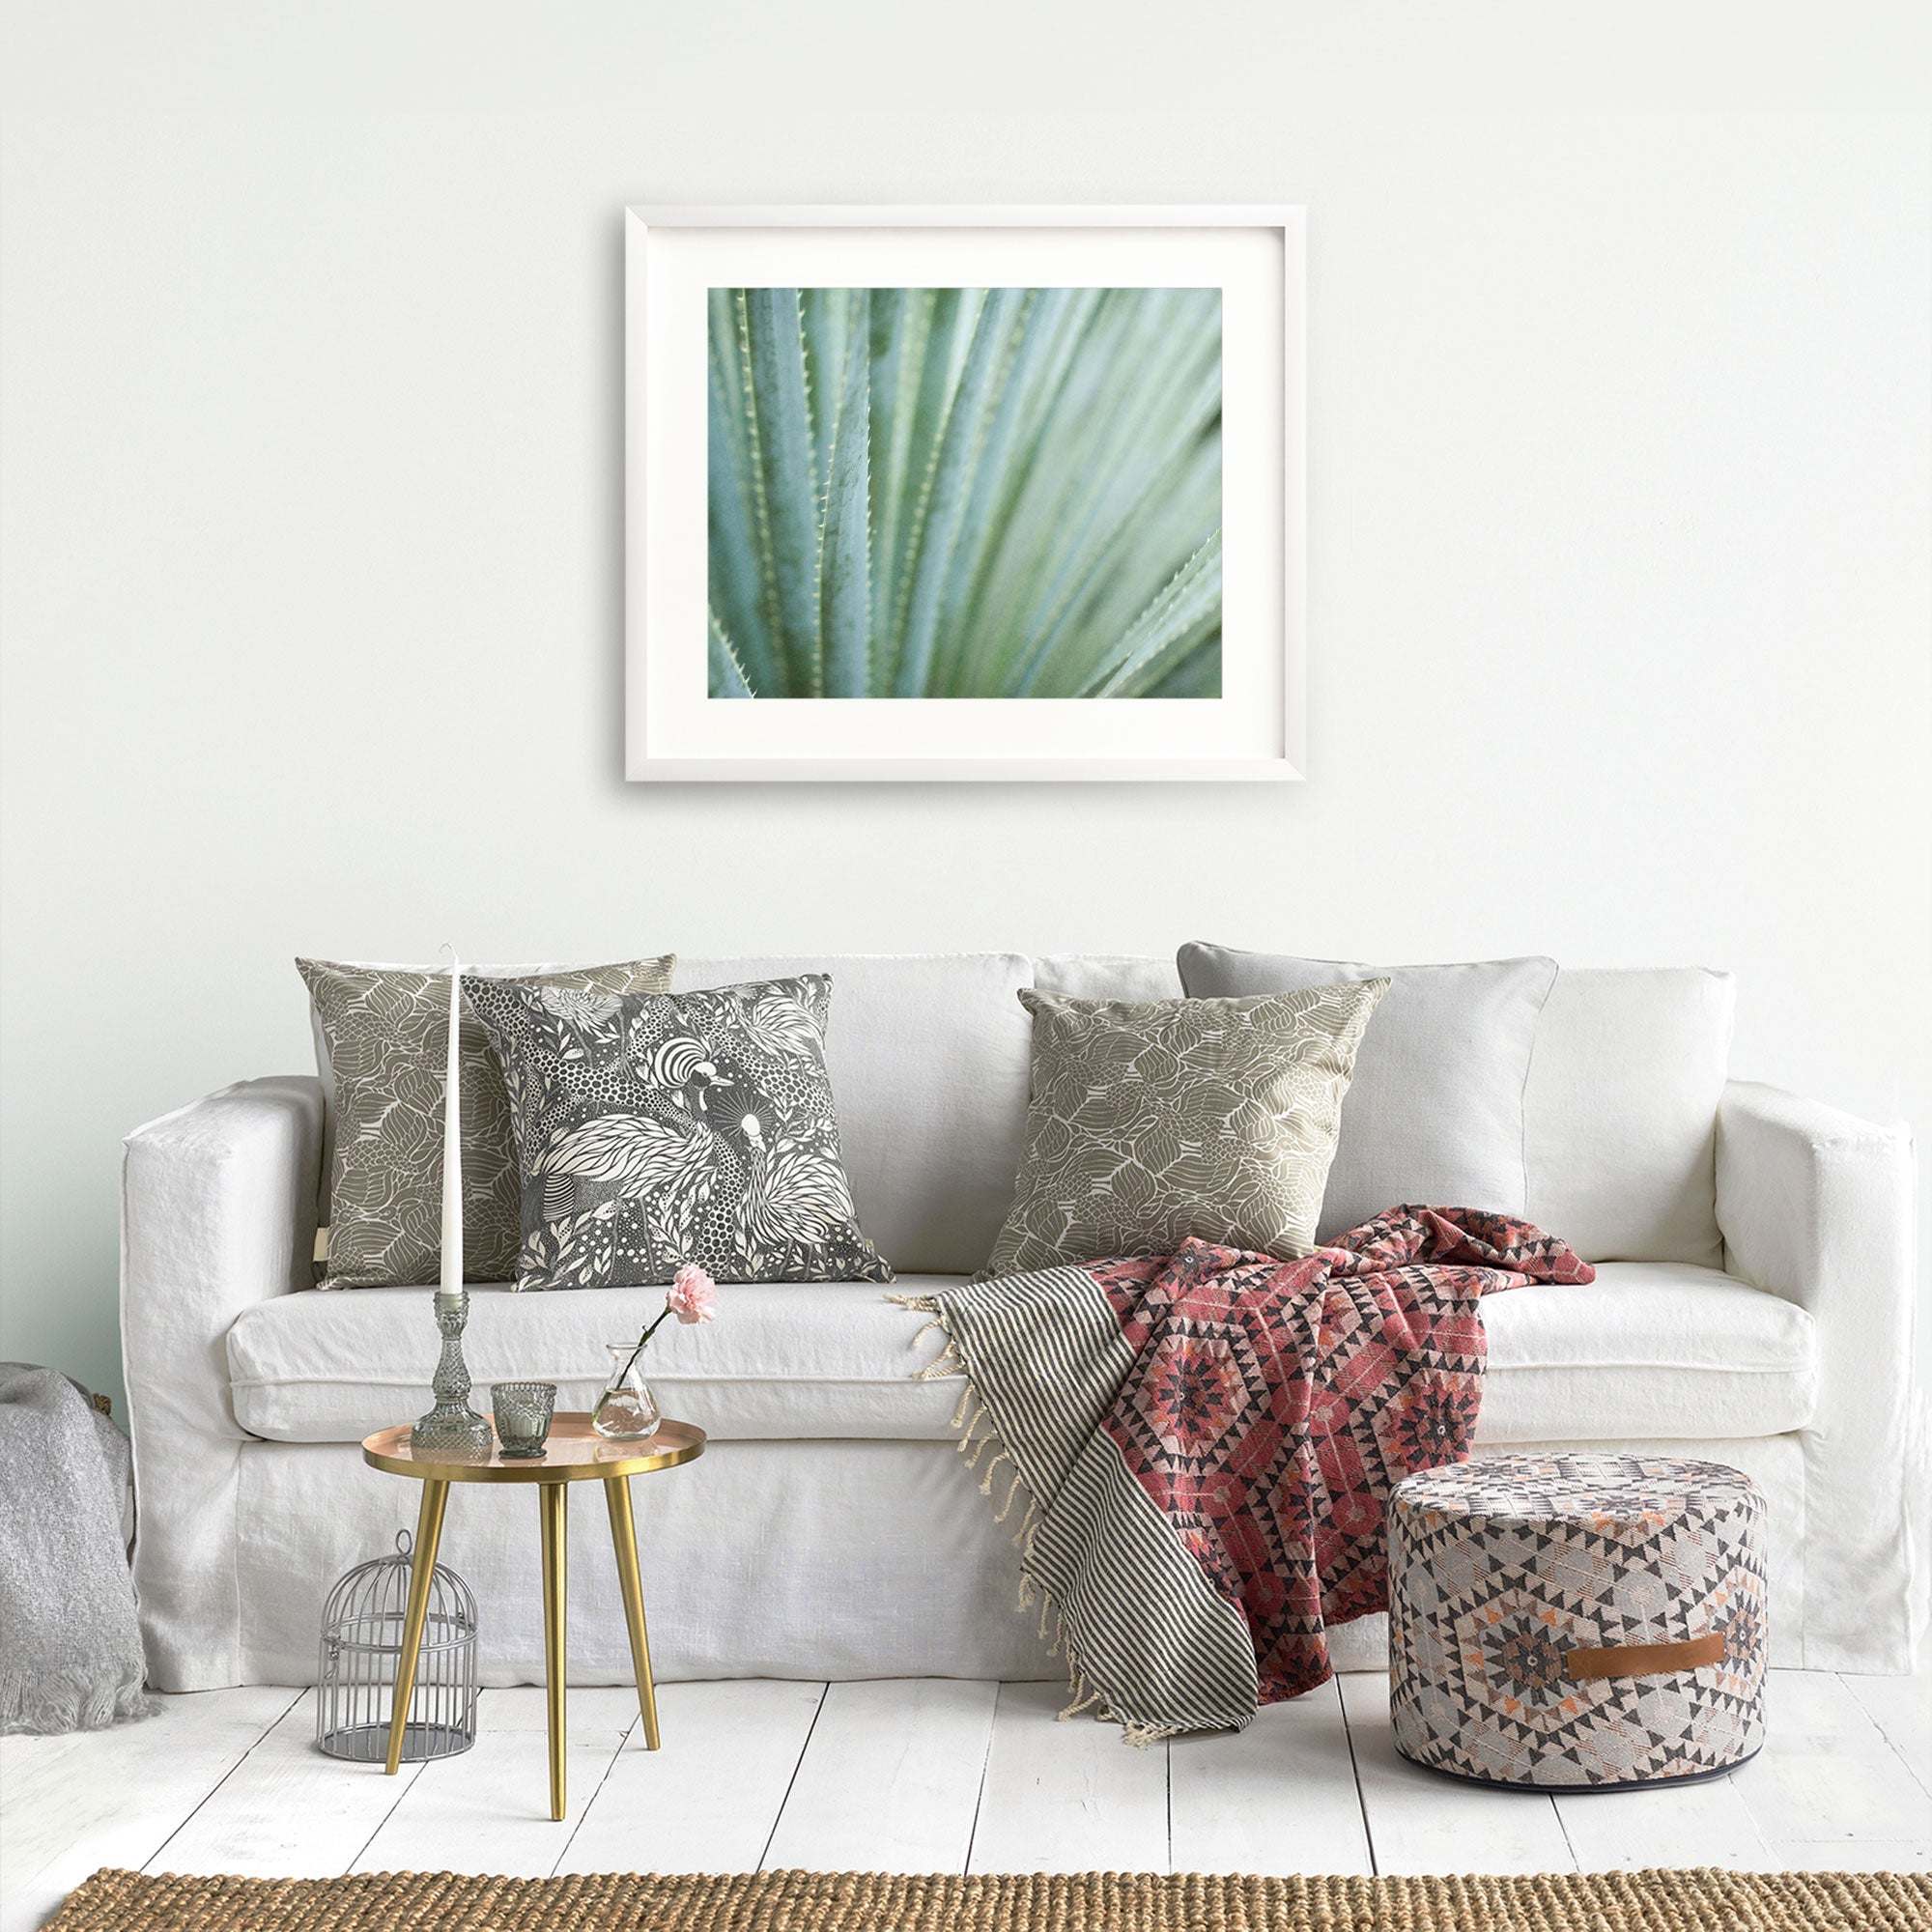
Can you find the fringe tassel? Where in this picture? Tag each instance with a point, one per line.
(943, 1365)
(1004, 1510)
(1082, 1698)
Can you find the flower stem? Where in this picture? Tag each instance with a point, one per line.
(650, 1329)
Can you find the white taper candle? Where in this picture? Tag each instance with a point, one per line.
(452, 1142)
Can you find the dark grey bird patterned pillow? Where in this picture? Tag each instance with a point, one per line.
(653, 1129)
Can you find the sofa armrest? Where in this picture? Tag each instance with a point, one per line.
(1817, 1206)
(217, 1211)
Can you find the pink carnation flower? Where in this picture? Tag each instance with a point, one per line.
(693, 1295)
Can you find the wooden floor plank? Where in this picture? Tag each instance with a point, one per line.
(1827, 1773)
(889, 1778)
(287, 1811)
(1901, 1707)
(1067, 1797)
(1419, 1821)
(71, 1804)
(488, 1809)
(709, 1799)
(1903, 1854)
(1704, 1823)
(1276, 1798)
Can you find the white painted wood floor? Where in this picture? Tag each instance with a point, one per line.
(926, 1774)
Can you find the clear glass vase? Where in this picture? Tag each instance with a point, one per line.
(626, 1408)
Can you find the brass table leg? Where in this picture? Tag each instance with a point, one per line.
(553, 1503)
(422, 1570)
(624, 1538)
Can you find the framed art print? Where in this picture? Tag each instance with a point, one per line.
(993, 493)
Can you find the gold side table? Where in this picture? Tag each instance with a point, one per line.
(575, 1453)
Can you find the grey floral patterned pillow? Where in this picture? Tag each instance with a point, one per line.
(656, 1130)
(1151, 1121)
(385, 1033)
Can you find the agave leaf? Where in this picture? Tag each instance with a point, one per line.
(790, 480)
(897, 318)
(931, 405)
(736, 553)
(822, 318)
(1198, 674)
(951, 477)
(1179, 619)
(727, 671)
(846, 591)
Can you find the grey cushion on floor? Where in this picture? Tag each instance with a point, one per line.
(71, 1657)
(1434, 1114)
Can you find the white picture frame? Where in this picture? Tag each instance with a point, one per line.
(1254, 729)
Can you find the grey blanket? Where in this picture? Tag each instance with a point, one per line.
(70, 1645)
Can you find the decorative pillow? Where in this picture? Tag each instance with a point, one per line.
(684, 1128)
(383, 1034)
(1150, 1121)
(1434, 1114)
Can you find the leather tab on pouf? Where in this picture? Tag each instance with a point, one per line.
(1586, 1621)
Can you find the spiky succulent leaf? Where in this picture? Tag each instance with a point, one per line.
(845, 616)
(727, 671)
(789, 468)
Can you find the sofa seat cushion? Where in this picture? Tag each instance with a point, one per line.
(1650, 1350)
(781, 1359)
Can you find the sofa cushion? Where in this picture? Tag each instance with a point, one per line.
(1434, 1114)
(654, 1130)
(780, 1359)
(927, 1054)
(1647, 1350)
(1154, 1121)
(1621, 1112)
(1650, 1350)
(1106, 975)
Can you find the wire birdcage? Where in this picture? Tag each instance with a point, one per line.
(361, 1645)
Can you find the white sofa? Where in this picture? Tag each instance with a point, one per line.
(1753, 1305)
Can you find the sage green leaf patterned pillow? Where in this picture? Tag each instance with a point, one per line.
(1151, 1121)
(385, 1031)
(684, 1128)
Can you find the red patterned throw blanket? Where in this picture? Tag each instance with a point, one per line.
(1205, 1444)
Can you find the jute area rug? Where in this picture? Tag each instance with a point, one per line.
(787, 1901)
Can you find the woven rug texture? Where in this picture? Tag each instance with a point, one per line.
(790, 1902)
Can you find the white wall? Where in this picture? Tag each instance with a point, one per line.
(1619, 487)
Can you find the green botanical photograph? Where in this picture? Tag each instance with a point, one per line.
(965, 492)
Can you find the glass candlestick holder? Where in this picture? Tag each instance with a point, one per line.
(452, 1429)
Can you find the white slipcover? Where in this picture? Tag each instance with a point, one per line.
(866, 1551)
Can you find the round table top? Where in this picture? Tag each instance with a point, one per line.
(575, 1453)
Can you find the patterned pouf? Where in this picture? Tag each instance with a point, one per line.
(1585, 1621)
